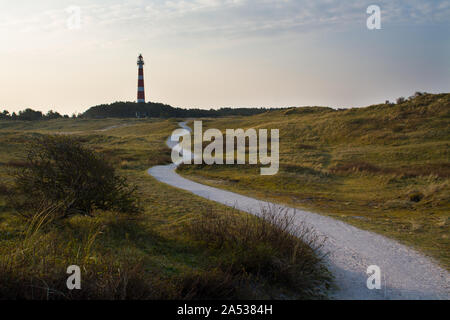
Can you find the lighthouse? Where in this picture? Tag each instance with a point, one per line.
(141, 90)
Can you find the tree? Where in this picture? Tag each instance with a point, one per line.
(5, 115)
(30, 115)
(52, 115)
(61, 173)
(401, 100)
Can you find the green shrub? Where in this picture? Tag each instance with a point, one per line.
(60, 171)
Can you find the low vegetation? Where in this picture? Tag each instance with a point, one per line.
(151, 253)
(266, 250)
(384, 167)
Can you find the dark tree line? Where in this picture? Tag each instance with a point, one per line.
(151, 110)
(159, 110)
(31, 115)
(133, 110)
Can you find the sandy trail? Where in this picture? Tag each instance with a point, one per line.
(405, 273)
(68, 133)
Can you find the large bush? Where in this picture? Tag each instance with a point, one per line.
(60, 172)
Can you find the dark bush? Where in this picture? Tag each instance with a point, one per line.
(401, 100)
(415, 196)
(4, 190)
(61, 171)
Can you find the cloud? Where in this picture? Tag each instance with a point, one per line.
(246, 17)
(227, 18)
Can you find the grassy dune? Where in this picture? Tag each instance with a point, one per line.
(384, 168)
(155, 254)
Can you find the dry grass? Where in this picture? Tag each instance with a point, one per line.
(386, 163)
(268, 249)
(151, 255)
(439, 170)
(34, 266)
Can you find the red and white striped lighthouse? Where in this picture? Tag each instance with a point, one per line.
(141, 90)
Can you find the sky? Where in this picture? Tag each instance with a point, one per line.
(220, 53)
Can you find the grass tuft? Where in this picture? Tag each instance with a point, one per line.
(270, 249)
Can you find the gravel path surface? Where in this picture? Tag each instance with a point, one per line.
(405, 273)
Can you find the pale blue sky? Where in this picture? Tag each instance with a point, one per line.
(216, 53)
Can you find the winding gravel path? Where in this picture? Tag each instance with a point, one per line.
(406, 274)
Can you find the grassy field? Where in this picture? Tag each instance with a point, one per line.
(383, 168)
(157, 254)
